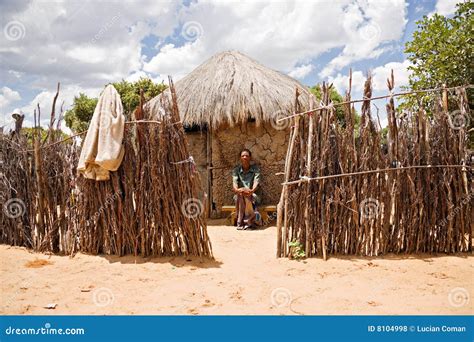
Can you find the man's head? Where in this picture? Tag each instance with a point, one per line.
(245, 156)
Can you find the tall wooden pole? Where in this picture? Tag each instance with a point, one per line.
(39, 178)
(209, 169)
(309, 203)
(282, 207)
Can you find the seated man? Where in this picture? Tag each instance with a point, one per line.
(245, 179)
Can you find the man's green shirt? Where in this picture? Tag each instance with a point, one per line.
(245, 179)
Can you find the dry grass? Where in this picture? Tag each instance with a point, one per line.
(38, 263)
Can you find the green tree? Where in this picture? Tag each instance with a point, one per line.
(130, 92)
(441, 52)
(30, 133)
(79, 116)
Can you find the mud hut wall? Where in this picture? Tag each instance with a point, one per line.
(197, 149)
(268, 146)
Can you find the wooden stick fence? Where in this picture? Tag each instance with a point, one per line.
(344, 192)
(151, 206)
(348, 192)
(331, 105)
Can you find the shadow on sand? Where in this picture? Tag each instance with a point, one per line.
(426, 257)
(177, 261)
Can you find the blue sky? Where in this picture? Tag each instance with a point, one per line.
(87, 44)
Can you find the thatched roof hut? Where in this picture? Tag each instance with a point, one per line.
(230, 88)
(230, 102)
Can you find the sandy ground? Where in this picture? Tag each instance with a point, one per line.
(245, 278)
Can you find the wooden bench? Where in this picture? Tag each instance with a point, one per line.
(268, 213)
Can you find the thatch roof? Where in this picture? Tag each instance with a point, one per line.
(231, 88)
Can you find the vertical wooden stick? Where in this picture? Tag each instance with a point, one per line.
(445, 98)
(209, 169)
(39, 180)
(308, 203)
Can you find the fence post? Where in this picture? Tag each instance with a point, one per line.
(39, 179)
(445, 98)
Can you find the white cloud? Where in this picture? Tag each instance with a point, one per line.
(176, 61)
(419, 9)
(285, 34)
(81, 42)
(94, 43)
(88, 54)
(8, 96)
(341, 82)
(379, 77)
(400, 74)
(379, 85)
(445, 7)
(85, 45)
(367, 26)
(136, 76)
(64, 102)
(301, 71)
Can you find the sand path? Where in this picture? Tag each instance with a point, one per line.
(246, 278)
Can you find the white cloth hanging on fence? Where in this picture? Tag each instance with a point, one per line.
(102, 150)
